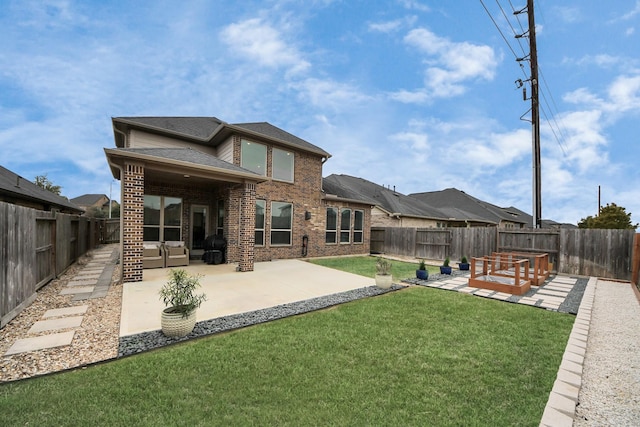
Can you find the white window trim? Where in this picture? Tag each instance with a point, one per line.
(361, 231)
(290, 229)
(347, 231)
(266, 154)
(335, 230)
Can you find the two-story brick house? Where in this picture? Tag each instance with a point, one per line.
(185, 178)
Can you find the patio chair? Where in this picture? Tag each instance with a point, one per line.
(152, 255)
(176, 254)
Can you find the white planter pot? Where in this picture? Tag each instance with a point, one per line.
(384, 281)
(175, 325)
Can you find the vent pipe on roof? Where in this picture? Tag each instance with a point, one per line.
(18, 181)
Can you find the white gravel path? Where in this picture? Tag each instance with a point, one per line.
(610, 392)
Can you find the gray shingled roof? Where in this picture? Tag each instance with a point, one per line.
(272, 131)
(210, 129)
(87, 199)
(350, 187)
(197, 127)
(190, 156)
(462, 206)
(16, 186)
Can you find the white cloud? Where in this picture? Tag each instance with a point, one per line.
(631, 14)
(415, 5)
(449, 65)
(262, 43)
(330, 94)
(391, 26)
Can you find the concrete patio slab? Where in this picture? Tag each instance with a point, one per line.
(231, 292)
(38, 343)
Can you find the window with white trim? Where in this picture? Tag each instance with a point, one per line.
(331, 233)
(358, 226)
(282, 165)
(260, 212)
(281, 220)
(253, 156)
(162, 218)
(345, 225)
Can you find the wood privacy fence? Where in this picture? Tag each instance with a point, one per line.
(36, 247)
(601, 253)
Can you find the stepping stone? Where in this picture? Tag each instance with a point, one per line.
(484, 292)
(87, 276)
(59, 312)
(53, 324)
(38, 343)
(551, 293)
(77, 290)
(82, 282)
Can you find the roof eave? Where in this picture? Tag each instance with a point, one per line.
(113, 153)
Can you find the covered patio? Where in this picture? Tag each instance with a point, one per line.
(269, 284)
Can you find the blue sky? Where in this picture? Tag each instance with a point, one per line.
(414, 94)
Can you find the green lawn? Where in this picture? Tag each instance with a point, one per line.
(366, 266)
(418, 356)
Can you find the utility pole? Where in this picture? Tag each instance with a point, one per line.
(535, 115)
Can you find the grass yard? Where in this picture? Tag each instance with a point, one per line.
(419, 356)
(366, 266)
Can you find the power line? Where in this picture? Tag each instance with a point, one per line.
(515, 55)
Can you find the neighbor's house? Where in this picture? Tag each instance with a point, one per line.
(17, 190)
(389, 207)
(467, 211)
(97, 201)
(185, 178)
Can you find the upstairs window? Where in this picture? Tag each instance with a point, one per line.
(253, 156)
(282, 162)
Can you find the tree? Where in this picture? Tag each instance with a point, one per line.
(611, 216)
(43, 182)
(95, 212)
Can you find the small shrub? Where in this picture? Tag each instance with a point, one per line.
(178, 292)
(422, 265)
(464, 260)
(383, 266)
(446, 262)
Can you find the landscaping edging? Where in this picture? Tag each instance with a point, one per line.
(144, 341)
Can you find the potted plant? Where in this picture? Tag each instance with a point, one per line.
(464, 263)
(445, 268)
(383, 273)
(179, 318)
(421, 272)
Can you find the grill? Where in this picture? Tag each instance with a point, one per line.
(214, 249)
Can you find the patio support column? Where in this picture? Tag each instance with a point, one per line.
(133, 216)
(247, 227)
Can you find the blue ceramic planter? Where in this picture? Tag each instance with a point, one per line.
(422, 274)
(445, 270)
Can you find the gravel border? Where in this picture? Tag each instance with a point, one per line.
(145, 341)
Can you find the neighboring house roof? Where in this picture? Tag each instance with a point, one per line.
(459, 205)
(89, 199)
(20, 188)
(349, 187)
(185, 156)
(210, 131)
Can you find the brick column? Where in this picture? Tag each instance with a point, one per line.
(133, 216)
(247, 227)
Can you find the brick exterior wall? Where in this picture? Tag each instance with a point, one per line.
(133, 208)
(305, 195)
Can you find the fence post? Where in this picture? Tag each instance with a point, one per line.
(635, 267)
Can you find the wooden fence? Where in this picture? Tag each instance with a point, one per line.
(601, 253)
(36, 247)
